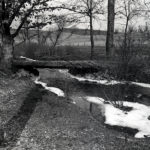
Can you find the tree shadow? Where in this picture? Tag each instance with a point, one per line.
(14, 127)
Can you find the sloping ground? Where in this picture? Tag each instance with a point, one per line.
(12, 93)
(41, 120)
(56, 124)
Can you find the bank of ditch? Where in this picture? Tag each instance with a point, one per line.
(34, 118)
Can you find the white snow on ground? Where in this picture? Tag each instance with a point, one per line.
(137, 118)
(29, 59)
(55, 90)
(95, 100)
(82, 79)
(146, 85)
(107, 82)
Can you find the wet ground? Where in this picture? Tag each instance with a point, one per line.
(44, 121)
(76, 90)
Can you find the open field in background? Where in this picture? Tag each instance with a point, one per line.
(44, 52)
(83, 40)
(72, 52)
(68, 39)
(76, 37)
(73, 45)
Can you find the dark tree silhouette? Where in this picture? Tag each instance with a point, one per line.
(20, 10)
(88, 9)
(110, 27)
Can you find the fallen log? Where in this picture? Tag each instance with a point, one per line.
(62, 64)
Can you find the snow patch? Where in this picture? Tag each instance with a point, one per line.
(55, 90)
(146, 85)
(107, 82)
(73, 102)
(95, 100)
(89, 79)
(104, 82)
(137, 118)
(29, 59)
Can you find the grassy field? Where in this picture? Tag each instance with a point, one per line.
(74, 46)
(77, 37)
(45, 52)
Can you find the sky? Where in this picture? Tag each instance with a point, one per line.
(101, 22)
(98, 24)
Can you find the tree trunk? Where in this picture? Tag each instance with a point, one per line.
(6, 39)
(110, 28)
(7, 54)
(91, 36)
(91, 28)
(125, 33)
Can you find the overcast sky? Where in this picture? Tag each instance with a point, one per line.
(99, 24)
(101, 21)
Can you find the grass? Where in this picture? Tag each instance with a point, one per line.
(72, 51)
(44, 52)
(74, 46)
(138, 64)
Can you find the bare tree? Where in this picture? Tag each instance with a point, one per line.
(88, 9)
(25, 32)
(127, 11)
(10, 10)
(60, 22)
(54, 35)
(146, 12)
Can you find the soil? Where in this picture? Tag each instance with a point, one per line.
(34, 119)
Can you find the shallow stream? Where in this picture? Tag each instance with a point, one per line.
(100, 97)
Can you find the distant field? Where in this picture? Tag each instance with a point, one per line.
(83, 40)
(76, 39)
(72, 38)
(36, 51)
(71, 46)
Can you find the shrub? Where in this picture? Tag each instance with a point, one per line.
(132, 61)
(31, 50)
